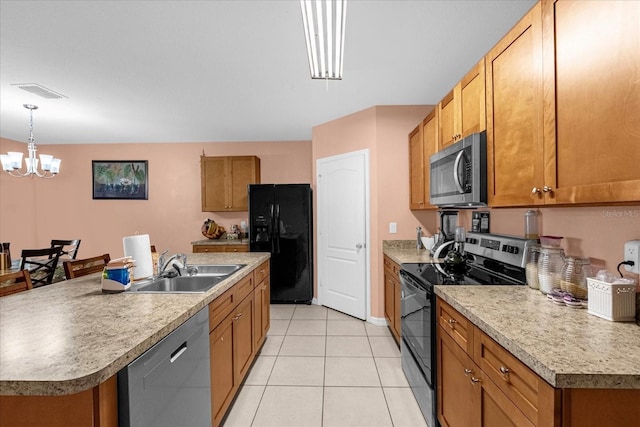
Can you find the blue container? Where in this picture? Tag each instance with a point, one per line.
(119, 275)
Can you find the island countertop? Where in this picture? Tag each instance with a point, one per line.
(567, 347)
(70, 336)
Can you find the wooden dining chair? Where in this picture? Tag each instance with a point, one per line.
(14, 282)
(82, 267)
(69, 247)
(41, 264)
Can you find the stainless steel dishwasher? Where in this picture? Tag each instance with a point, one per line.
(169, 385)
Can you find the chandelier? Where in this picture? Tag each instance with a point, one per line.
(324, 23)
(12, 161)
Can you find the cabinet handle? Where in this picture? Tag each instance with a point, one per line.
(547, 189)
(504, 371)
(467, 371)
(451, 322)
(237, 316)
(474, 380)
(535, 190)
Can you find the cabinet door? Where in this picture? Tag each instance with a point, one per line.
(496, 409)
(389, 304)
(514, 115)
(223, 382)
(430, 129)
(592, 101)
(261, 316)
(243, 171)
(397, 309)
(243, 349)
(213, 174)
(446, 112)
(458, 385)
(472, 109)
(416, 169)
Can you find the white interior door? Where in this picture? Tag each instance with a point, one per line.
(343, 254)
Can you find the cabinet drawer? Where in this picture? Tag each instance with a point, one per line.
(221, 307)
(455, 325)
(244, 287)
(392, 266)
(530, 393)
(260, 273)
(198, 249)
(236, 248)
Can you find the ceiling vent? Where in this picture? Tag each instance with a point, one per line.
(39, 90)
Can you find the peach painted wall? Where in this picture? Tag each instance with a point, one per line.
(597, 232)
(384, 131)
(33, 211)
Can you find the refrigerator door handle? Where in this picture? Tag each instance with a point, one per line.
(276, 236)
(272, 228)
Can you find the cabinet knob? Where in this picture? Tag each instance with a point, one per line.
(536, 190)
(474, 380)
(452, 321)
(547, 189)
(467, 371)
(503, 370)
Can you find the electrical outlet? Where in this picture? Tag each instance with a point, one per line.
(632, 253)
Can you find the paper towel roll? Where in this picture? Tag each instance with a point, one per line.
(139, 248)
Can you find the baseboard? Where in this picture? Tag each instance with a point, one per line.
(314, 301)
(378, 321)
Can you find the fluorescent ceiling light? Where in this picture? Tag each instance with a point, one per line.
(324, 24)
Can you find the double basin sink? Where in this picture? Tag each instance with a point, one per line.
(205, 278)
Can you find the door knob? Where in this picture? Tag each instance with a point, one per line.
(359, 246)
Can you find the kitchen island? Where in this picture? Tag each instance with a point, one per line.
(70, 338)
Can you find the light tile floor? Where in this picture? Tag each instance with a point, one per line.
(319, 367)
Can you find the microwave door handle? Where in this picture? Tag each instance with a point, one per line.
(456, 177)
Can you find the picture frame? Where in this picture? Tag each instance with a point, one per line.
(120, 179)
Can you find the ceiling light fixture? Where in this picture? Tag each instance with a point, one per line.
(12, 161)
(324, 24)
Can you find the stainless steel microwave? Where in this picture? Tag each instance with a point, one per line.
(458, 174)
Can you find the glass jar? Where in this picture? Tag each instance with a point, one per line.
(574, 275)
(531, 265)
(550, 265)
(531, 225)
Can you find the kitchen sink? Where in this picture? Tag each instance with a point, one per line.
(216, 270)
(207, 277)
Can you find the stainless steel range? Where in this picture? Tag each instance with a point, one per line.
(490, 259)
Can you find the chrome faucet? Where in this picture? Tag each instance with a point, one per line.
(162, 264)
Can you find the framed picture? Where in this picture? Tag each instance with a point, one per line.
(120, 179)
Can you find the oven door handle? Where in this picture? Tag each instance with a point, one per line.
(412, 286)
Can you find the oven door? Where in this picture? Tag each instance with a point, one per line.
(417, 323)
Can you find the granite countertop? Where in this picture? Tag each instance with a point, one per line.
(568, 347)
(70, 336)
(220, 242)
(404, 251)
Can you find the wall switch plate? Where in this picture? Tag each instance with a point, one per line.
(632, 253)
(393, 227)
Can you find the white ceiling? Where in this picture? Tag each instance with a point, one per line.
(197, 71)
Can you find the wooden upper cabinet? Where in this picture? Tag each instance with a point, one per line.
(514, 115)
(422, 144)
(225, 180)
(416, 170)
(591, 101)
(462, 111)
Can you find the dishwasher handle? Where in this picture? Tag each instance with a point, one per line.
(178, 352)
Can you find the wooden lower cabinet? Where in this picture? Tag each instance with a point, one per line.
(392, 300)
(500, 390)
(480, 383)
(97, 406)
(220, 248)
(262, 304)
(238, 325)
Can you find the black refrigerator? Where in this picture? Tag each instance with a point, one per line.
(280, 222)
